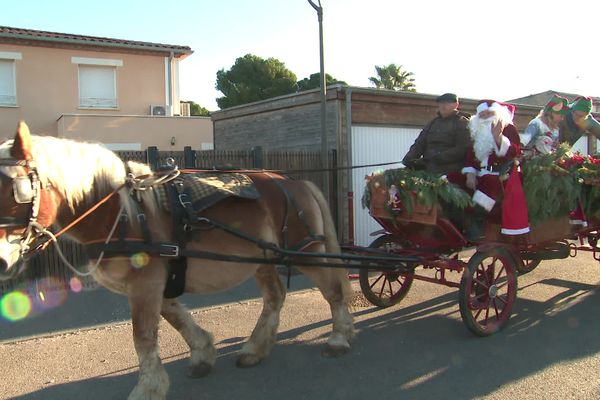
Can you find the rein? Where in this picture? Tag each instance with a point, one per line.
(291, 171)
(86, 214)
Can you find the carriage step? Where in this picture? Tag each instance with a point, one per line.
(554, 251)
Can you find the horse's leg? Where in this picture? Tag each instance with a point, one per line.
(145, 300)
(264, 334)
(202, 350)
(333, 282)
(335, 287)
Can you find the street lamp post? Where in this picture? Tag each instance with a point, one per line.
(324, 154)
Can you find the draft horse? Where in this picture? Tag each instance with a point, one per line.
(48, 181)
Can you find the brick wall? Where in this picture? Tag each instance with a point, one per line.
(283, 124)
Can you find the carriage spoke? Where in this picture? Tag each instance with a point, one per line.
(499, 273)
(481, 283)
(390, 285)
(496, 309)
(488, 268)
(486, 274)
(377, 280)
(487, 313)
(502, 300)
(382, 288)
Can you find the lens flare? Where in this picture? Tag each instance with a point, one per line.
(15, 306)
(140, 260)
(75, 284)
(49, 293)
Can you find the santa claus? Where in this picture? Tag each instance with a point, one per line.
(495, 141)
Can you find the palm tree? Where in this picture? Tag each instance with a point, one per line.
(394, 78)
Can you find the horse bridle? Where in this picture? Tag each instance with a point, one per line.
(26, 190)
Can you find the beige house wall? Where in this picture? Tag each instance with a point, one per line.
(166, 133)
(47, 86)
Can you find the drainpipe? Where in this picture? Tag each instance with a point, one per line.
(349, 162)
(170, 82)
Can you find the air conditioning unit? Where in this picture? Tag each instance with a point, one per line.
(160, 110)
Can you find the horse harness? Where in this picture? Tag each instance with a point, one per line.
(26, 190)
(185, 220)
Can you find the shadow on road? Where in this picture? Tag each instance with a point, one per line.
(100, 307)
(418, 352)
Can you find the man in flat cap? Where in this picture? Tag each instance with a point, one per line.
(442, 144)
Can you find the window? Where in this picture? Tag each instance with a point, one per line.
(97, 82)
(8, 87)
(97, 86)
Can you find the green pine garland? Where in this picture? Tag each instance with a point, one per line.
(551, 191)
(428, 188)
(554, 183)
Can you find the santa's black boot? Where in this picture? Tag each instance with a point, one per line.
(476, 229)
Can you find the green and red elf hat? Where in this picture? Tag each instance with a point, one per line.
(557, 104)
(582, 104)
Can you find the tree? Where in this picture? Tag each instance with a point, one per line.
(393, 77)
(314, 81)
(253, 78)
(196, 110)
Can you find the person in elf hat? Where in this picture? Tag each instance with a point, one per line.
(579, 121)
(494, 142)
(543, 130)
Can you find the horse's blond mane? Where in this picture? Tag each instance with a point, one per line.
(74, 168)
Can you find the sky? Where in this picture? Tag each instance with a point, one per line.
(500, 50)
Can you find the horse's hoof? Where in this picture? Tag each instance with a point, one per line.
(200, 370)
(331, 351)
(248, 360)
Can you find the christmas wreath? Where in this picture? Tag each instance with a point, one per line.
(424, 187)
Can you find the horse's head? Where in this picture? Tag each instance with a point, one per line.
(21, 199)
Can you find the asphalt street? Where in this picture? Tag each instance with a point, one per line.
(419, 349)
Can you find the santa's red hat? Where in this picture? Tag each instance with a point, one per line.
(515, 218)
(485, 104)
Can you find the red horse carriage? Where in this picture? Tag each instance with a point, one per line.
(488, 284)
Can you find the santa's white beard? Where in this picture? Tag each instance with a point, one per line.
(481, 134)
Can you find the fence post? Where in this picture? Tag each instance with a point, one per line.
(257, 157)
(189, 158)
(333, 187)
(152, 157)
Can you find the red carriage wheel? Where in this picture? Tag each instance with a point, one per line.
(488, 290)
(528, 266)
(385, 288)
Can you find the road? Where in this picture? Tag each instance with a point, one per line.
(417, 350)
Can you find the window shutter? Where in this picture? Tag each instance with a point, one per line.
(97, 86)
(8, 94)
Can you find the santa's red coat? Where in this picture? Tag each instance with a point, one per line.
(489, 186)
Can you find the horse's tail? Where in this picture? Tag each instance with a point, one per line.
(332, 245)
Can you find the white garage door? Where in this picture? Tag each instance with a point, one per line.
(373, 145)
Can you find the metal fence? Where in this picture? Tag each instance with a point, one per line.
(297, 165)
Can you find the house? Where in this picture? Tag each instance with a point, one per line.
(122, 93)
(364, 126)
(540, 99)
